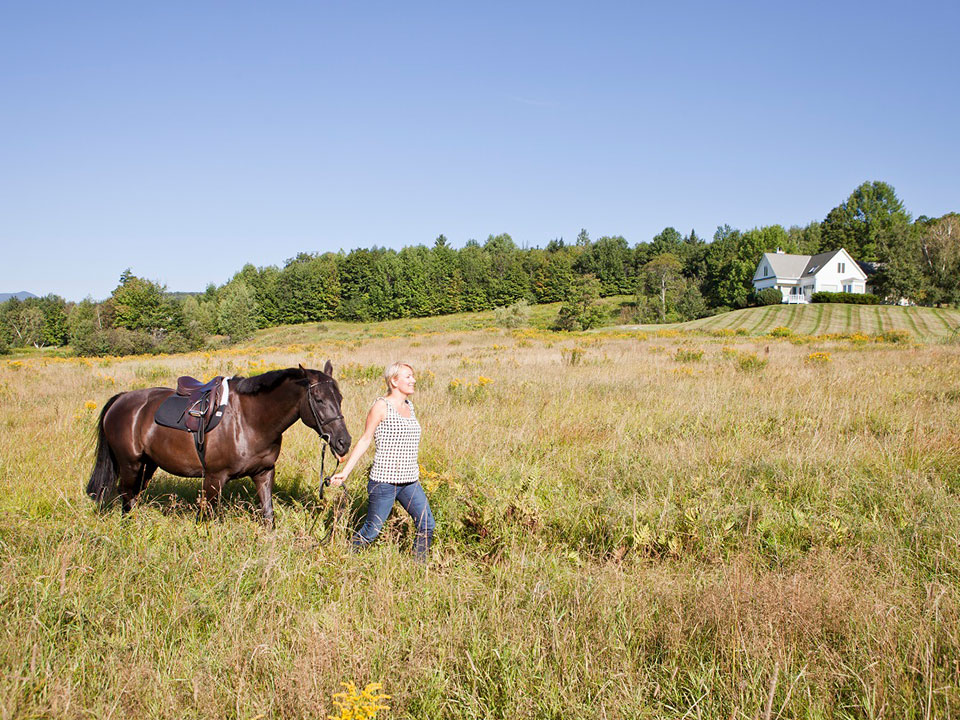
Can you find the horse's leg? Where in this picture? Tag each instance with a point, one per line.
(212, 490)
(129, 482)
(149, 468)
(264, 483)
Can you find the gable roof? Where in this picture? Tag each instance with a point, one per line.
(818, 261)
(794, 267)
(784, 265)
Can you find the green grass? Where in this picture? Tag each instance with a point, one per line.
(541, 316)
(924, 324)
(675, 526)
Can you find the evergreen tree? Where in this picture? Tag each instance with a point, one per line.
(581, 310)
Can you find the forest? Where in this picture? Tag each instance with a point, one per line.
(670, 278)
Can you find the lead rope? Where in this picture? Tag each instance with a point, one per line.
(340, 504)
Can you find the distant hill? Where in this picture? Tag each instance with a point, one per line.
(22, 295)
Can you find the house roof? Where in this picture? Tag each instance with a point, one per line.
(784, 265)
(818, 261)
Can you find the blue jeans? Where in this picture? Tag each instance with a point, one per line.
(414, 501)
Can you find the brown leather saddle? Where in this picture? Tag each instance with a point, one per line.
(196, 407)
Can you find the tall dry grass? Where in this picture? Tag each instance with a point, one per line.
(628, 526)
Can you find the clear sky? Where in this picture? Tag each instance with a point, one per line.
(136, 134)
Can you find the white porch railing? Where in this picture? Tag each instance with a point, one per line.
(794, 299)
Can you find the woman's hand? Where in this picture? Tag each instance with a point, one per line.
(338, 479)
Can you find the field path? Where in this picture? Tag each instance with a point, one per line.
(876, 311)
(771, 312)
(821, 310)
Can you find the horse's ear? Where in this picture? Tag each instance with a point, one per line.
(302, 369)
(328, 368)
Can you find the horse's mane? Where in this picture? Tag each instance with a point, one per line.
(266, 381)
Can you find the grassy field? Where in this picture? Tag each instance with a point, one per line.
(922, 323)
(630, 525)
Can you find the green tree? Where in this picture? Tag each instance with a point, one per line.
(581, 310)
(27, 324)
(445, 278)
(39, 322)
(610, 260)
(237, 312)
(732, 260)
(308, 289)
(200, 315)
(868, 225)
(138, 303)
(85, 326)
(940, 249)
(475, 269)
(809, 239)
(900, 275)
(662, 279)
(667, 241)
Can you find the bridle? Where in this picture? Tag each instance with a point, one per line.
(316, 413)
(325, 436)
(325, 480)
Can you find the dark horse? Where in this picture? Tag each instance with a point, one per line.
(131, 446)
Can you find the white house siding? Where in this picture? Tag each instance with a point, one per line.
(831, 278)
(797, 280)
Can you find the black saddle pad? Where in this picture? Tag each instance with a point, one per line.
(172, 413)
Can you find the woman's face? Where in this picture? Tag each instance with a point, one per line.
(405, 381)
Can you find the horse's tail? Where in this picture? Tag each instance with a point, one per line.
(104, 474)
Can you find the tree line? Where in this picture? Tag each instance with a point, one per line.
(673, 277)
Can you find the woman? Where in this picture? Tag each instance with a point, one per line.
(395, 473)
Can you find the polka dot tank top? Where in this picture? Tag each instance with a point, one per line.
(398, 440)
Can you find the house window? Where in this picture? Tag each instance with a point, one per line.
(766, 271)
(841, 267)
(848, 288)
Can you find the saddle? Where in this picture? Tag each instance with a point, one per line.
(196, 408)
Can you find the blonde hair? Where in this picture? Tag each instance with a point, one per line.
(392, 370)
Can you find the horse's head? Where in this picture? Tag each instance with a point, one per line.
(320, 408)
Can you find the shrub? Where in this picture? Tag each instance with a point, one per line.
(842, 297)
(750, 362)
(683, 355)
(513, 316)
(768, 296)
(121, 341)
(895, 336)
(581, 310)
(174, 342)
(780, 331)
(4, 347)
(571, 356)
(469, 392)
(818, 358)
(113, 341)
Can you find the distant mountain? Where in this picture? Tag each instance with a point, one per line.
(22, 295)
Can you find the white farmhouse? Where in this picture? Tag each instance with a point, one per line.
(799, 276)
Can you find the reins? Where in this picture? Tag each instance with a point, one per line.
(324, 478)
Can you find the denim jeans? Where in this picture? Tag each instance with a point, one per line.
(414, 501)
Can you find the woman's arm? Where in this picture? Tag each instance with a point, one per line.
(376, 414)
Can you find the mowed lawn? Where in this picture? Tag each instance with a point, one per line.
(922, 323)
(630, 525)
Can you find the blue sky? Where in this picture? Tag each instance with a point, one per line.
(135, 133)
